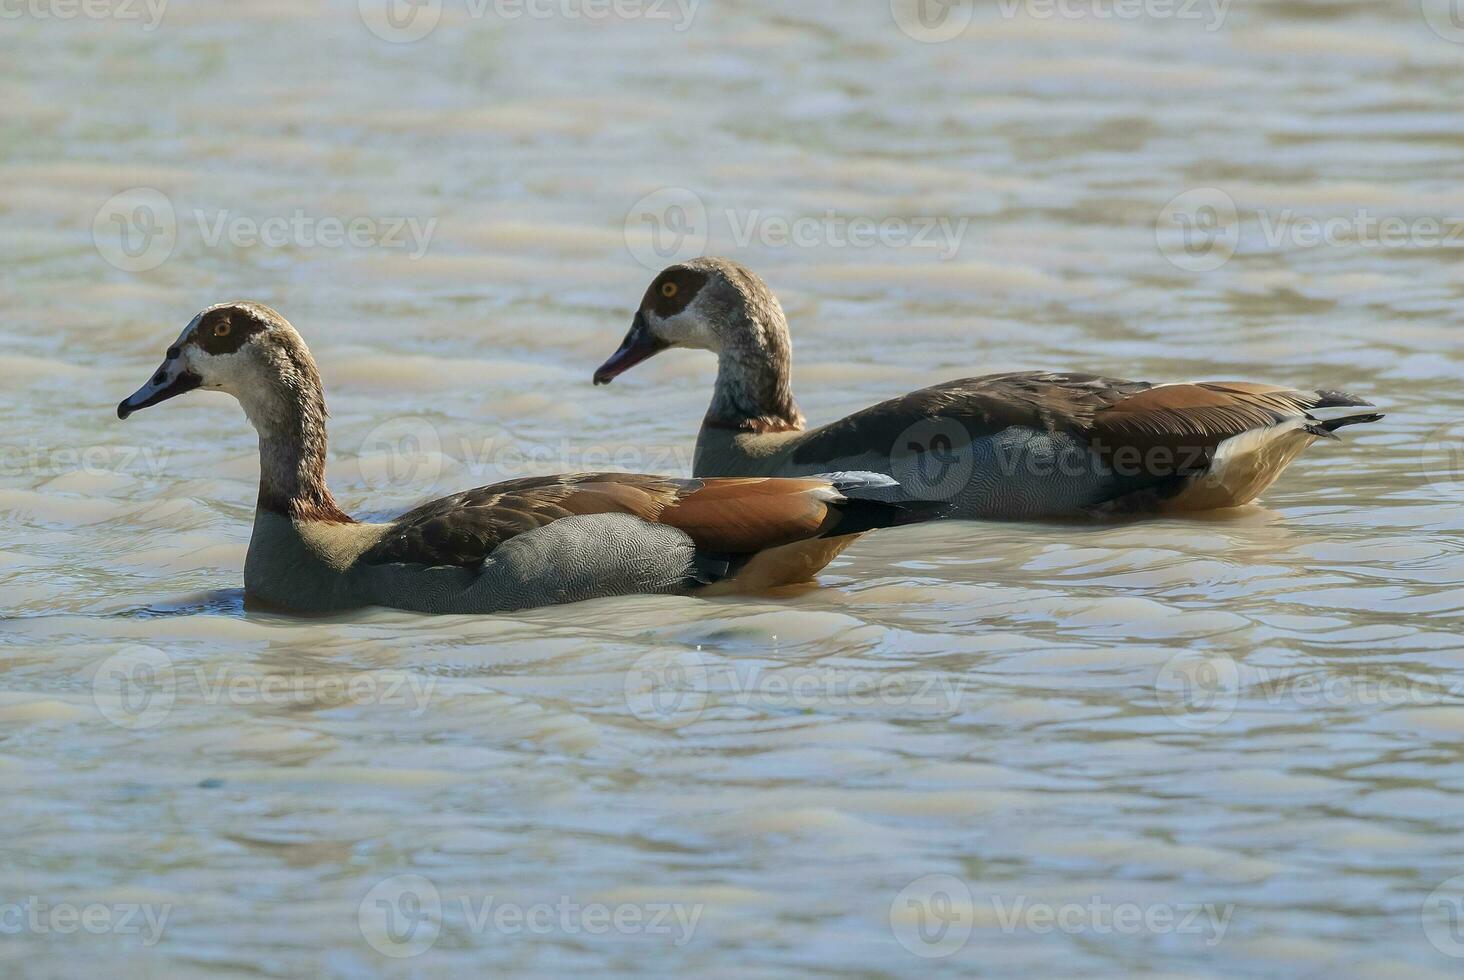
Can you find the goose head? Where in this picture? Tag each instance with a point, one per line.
(251, 352)
(245, 349)
(705, 304)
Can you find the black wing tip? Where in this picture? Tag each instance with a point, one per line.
(858, 516)
(1332, 425)
(708, 568)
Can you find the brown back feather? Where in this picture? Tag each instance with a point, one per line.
(1161, 431)
(730, 516)
(1175, 429)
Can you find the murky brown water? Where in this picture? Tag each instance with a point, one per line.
(1226, 745)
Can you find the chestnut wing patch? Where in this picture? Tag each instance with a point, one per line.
(741, 516)
(463, 530)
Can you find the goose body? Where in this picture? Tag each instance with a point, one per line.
(516, 545)
(1019, 445)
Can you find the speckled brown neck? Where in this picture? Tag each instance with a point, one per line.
(754, 376)
(290, 417)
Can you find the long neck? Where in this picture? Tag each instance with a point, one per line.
(290, 416)
(754, 376)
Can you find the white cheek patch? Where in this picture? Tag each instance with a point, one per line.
(226, 371)
(687, 328)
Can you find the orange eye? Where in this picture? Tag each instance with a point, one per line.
(669, 289)
(222, 328)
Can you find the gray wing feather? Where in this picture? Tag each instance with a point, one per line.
(570, 560)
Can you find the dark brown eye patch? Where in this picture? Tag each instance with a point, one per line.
(225, 330)
(673, 291)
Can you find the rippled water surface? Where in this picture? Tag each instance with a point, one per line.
(1218, 745)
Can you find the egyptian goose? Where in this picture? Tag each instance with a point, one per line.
(1020, 445)
(526, 543)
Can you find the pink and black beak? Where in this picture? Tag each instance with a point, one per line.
(171, 380)
(639, 345)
